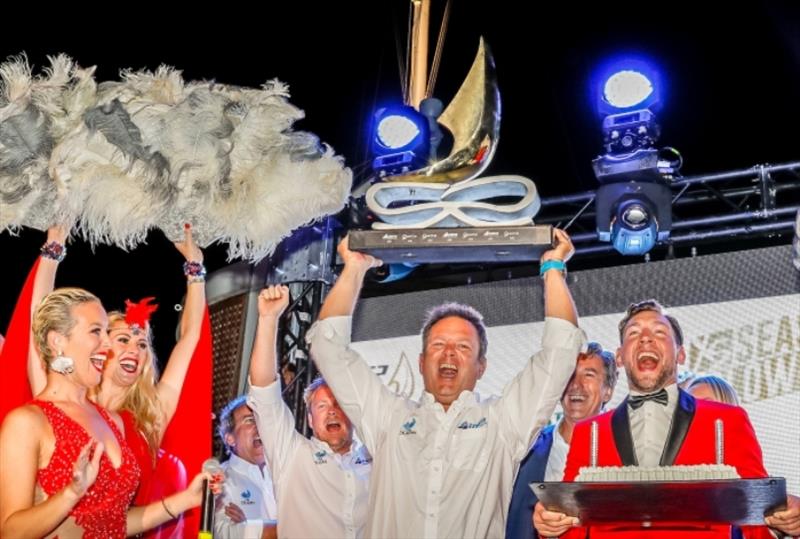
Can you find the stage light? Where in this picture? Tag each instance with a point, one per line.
(634, 203)
(634, 230)
(634, 215)
(627, 84)
(627, 88)
(400, 140)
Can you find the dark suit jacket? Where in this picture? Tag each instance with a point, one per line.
(532, 468)
(689, 441)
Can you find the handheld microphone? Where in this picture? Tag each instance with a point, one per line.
(213, 467)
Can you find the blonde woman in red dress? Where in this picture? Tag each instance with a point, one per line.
(130, 385)
(67, 470)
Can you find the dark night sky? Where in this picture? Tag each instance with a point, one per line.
(732, 98)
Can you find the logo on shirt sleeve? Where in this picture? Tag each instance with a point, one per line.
(408, 427)
(477, 425)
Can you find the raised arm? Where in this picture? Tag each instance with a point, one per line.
(367, 402)
(171, 382)
(272, 301)
(274, 421)
(530, 398)
(557, 298)
(341, 301)
(43, 284)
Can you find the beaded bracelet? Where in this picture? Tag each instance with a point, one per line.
(195, 271)
(552, 264)
(54, 251)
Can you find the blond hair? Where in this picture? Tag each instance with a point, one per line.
(54, 313)
(141, 397)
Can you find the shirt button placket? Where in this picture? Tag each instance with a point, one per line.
(435, 484)
(349, 502)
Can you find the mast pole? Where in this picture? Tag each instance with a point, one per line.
(418, 78)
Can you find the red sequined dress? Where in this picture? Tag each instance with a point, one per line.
(102, 511)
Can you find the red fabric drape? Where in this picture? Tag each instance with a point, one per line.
(14, 387)
(188, 435)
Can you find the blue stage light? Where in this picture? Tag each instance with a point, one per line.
(400, 140)
(396, 131)
(627, 88)
(634, 230)
(627, 84)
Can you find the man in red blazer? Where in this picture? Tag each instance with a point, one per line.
(660, 425)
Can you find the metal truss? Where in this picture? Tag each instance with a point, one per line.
(756, 202)
(292, 348)
(304, 262)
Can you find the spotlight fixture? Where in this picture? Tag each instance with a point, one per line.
(400, 140)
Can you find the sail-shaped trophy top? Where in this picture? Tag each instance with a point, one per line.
(473, 118)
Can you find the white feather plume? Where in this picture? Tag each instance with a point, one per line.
(155, 151)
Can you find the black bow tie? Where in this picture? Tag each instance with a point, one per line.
(660, 397)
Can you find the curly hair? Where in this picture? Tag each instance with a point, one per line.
(609, 364)
(226, 419)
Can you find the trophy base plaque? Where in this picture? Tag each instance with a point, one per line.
(459, 244)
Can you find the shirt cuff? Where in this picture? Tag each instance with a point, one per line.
(267, 395)
(560, 333)
(336, 329)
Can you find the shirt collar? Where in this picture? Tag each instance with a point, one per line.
(244, 467)
(319, 444)
(466, 397)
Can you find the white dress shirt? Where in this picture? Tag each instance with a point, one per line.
(437, 473)
(320, 493)
(650, 424)
(250, 489)
(557, 460)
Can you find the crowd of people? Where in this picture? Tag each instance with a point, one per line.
(83, 458)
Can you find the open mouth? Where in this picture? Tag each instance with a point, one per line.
(257, 442)
(98, 360)
(576, 398)
(129, 365)
(333, 426)
(448, 370)
(647, 361)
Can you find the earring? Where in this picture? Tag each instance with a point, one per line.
(62, 364)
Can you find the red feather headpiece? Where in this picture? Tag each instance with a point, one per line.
(137, 315)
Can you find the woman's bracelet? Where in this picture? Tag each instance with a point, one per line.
(54, 251)
(164, 503)
(195, 271)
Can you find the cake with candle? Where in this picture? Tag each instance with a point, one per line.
(631, 474)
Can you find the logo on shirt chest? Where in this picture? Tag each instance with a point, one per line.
(465, 425)
(246, 497)
(319, 457)
(408, 427)
(361, 460)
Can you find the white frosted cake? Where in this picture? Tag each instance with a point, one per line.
(628, 474)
